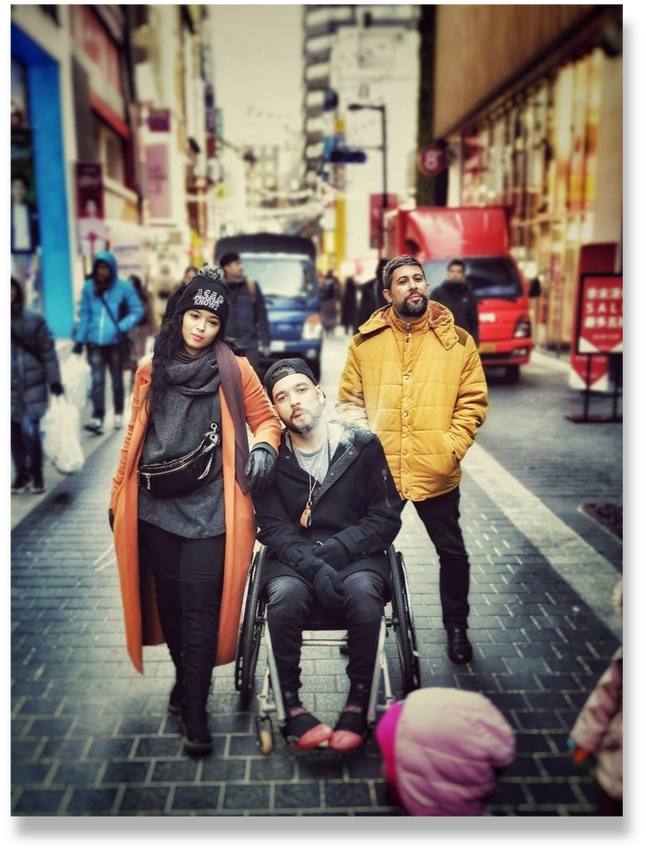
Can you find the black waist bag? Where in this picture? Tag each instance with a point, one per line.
(181, 476)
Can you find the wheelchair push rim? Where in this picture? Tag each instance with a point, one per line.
(403, 624)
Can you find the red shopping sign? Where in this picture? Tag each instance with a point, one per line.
(601, 314)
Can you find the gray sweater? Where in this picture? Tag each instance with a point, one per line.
(175, 431)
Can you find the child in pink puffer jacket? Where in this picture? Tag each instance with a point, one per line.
(443, 749)
(599, 729)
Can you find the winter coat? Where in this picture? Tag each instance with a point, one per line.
(31, 376)
(357, 503)
(95, 325)
(247, 324)
(599, 728)
(137, 585)
(421, 388)
(461, 300)
(448, 744)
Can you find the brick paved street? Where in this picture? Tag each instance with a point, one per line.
(91, 736)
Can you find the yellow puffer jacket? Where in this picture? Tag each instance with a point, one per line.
(421, 388)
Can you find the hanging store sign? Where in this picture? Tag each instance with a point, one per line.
(432, 160)
(601, 314)
(92, 229)
(157, 180)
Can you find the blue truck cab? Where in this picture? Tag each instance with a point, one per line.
(283, 267)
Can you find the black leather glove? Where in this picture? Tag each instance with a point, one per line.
(328, 587)
(260, 468)
(56, 388)
(78, 348)
(333, 553)
(111, 519)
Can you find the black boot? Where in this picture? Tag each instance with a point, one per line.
(200, 615)
(460, 651)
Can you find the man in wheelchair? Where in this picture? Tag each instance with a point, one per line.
(330, 514)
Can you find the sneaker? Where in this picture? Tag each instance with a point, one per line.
(21, 483)
(118, 421)
(37, 485)
(95, 425)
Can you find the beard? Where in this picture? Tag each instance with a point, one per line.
(406, 308)
(308, 421)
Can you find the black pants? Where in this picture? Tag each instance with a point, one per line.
(607, 805)
(289, 602)
(100, 357)
(440, 515)
(26, 448)
(188, 577)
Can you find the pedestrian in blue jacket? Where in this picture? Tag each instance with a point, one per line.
(110, 307)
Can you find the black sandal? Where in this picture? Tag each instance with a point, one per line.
(304, 730)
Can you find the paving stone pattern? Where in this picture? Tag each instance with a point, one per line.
(92, 737)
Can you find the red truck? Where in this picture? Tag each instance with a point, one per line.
(480, 237)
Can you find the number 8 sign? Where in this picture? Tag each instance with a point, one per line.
(431, 160)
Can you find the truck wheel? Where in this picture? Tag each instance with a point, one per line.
(512, 373)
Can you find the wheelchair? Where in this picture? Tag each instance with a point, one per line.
(253, 627)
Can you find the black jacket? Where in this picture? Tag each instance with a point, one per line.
(357, 502)
(247, 324)
(461, 300)
(34, 364)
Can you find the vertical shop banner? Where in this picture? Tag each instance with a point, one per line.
(90, 211)
(25, 234)
(601, 314)
(157, 180)
(376, 215)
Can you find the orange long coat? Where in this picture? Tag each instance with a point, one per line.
(137, 590)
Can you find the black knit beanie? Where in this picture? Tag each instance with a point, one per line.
(206, 291)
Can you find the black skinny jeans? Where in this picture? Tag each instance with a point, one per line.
(289, 602)
(188, 577)
(440, 515)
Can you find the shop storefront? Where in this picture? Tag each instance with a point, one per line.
(552, 154)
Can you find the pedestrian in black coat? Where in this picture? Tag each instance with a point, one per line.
(371, 296)
(34, 370)
(327, 520)
(349, 305)
(458, 296)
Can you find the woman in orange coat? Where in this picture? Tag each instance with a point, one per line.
(184, 535)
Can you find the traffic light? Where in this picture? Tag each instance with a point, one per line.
(348, 156)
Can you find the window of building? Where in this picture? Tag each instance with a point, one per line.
(111, 151)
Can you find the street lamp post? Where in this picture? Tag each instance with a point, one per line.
(384, 152)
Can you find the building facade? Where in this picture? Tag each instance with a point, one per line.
(529, 101)
(366, 54)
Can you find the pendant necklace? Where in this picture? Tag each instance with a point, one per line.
(306, 516)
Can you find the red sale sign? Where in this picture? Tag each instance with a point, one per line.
(601, 314)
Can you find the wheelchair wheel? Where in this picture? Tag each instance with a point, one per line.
(265, 735)
(403, 624)
(250, 631)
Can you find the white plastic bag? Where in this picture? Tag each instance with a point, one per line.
(76, 378)
(60, 430)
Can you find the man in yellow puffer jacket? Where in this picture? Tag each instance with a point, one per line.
(416, 380)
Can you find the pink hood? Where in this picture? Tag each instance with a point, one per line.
(447, 744)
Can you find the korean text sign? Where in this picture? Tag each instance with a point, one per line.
(601, 315)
